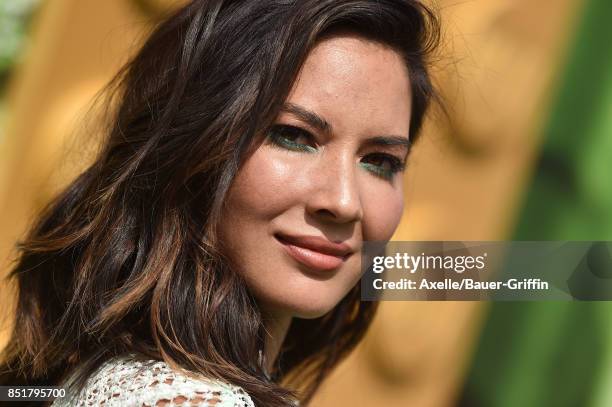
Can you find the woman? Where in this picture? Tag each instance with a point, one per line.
(210, 254)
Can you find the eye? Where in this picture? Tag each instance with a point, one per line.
(383, 165)
(292, 138)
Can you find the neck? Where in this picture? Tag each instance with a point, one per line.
(276, 326)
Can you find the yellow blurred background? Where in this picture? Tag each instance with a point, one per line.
(497, 70)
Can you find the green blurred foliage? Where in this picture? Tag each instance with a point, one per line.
(560, 354)
(14, 18)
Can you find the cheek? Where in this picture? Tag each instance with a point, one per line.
(262, 188)
(382, 211)
(259, 193)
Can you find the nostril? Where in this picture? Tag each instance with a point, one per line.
(326, 212)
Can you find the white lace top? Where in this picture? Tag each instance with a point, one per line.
(130, 383)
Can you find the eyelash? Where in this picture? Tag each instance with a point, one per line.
(280, 136)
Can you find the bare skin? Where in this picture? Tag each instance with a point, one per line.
(328, 177)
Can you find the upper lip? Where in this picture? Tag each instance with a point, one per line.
(318, 244)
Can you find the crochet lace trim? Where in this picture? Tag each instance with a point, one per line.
(128, 382)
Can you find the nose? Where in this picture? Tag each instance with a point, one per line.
(335, 195)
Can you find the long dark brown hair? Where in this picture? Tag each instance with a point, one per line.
(126, 259)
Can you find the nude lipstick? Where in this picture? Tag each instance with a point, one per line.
(315, 252)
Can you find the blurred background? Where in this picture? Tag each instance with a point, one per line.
(526, 154)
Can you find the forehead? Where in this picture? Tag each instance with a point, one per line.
(356, 84)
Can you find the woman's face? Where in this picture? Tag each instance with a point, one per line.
(328, 177)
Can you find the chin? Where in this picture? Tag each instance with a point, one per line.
(313, 305)
(310, 307)
(311, 312)
(297, 292)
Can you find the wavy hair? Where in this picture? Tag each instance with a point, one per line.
(127, 260)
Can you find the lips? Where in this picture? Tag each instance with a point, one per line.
(315, 252)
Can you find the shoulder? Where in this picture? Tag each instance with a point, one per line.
(135, 383)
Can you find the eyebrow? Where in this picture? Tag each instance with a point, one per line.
(308, 117)
(319, 123)
(390, 141)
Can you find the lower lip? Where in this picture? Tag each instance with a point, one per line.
(313, 259)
